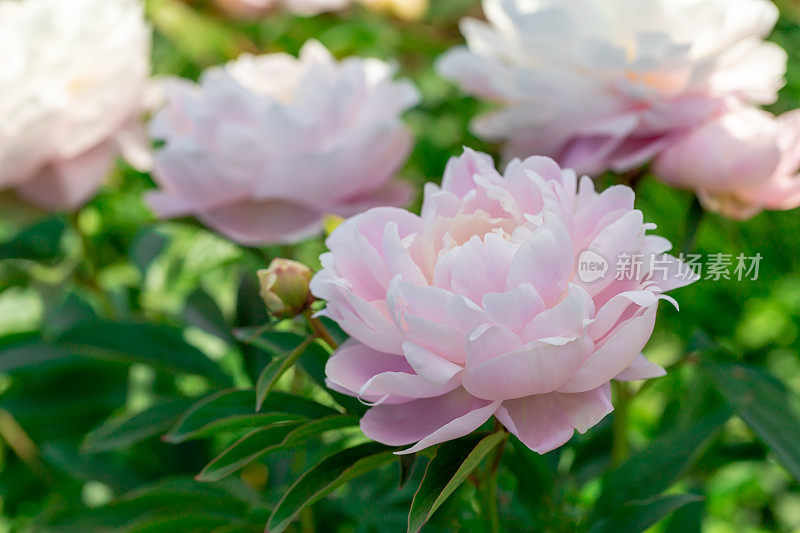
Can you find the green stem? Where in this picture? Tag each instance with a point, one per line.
(320, 331)
(620, 447)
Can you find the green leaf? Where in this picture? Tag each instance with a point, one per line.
(25, 351)
(147, 246)
(276, 368)
(160, 347)
(202, 311)
(39, 242)
(655, 468)
(262, 441)
(326, 476)
(126, 430)
(232, 410)
(640, 516)
(764, 404)
(188, 521)
(452, 464)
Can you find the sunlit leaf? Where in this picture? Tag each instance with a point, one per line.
(764, 404)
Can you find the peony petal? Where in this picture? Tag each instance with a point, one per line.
(641, 368)
(540, 422)
(615, 355)
(532, 370)
(427, 421)
(584, 410)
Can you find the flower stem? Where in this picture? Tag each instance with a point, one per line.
(320, 331)
(619, 450)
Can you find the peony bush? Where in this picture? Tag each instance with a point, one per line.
(399, 265)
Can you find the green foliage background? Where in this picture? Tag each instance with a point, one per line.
(107, 313)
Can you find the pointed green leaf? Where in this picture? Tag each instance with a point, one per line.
(232, 410)
(265, 440)
(122, 431)
(640, 516)
(160, 347)
(764, 404)
(326, 476)
(655, 468)
(452, 464)
(39, 242)
(276, 368)
(202, 311)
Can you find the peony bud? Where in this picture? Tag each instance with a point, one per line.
(284, 287)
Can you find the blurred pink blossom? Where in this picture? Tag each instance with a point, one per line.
(607, 84)
(263, 148)
(475, 309)
(741, 162)
(73, 86)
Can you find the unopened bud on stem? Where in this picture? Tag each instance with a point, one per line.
(284, 287)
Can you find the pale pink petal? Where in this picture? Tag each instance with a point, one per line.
(585, 410)
(540, 422)
(428, 421)
(537, 369)
(69, 183)
(614, 356)
(641, 368)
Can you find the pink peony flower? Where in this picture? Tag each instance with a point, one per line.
(600, 84)
(73, 85)
(739, 163)
(489, 303)
(264, 147)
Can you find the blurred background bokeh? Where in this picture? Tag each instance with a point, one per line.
(155, 284)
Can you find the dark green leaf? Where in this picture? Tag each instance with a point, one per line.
(24, 351)
(407, 462)
(655, 468)
(276, 368)
(122, 431)
(269, 439)
(160, 347)
(326, 476)
(187, 521)
(202, 311)
(40, 242)
(639, 516)
(452, 464)
(764, 404)
(232, 410)
(146, 247)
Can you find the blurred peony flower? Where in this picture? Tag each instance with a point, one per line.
(489, 303)
(739, 163)
(263, 148)
(73, 86)
(607, 84)
(257, 8)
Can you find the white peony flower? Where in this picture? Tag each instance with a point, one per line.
(601, 84)
(72, 78)
(264, 147)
